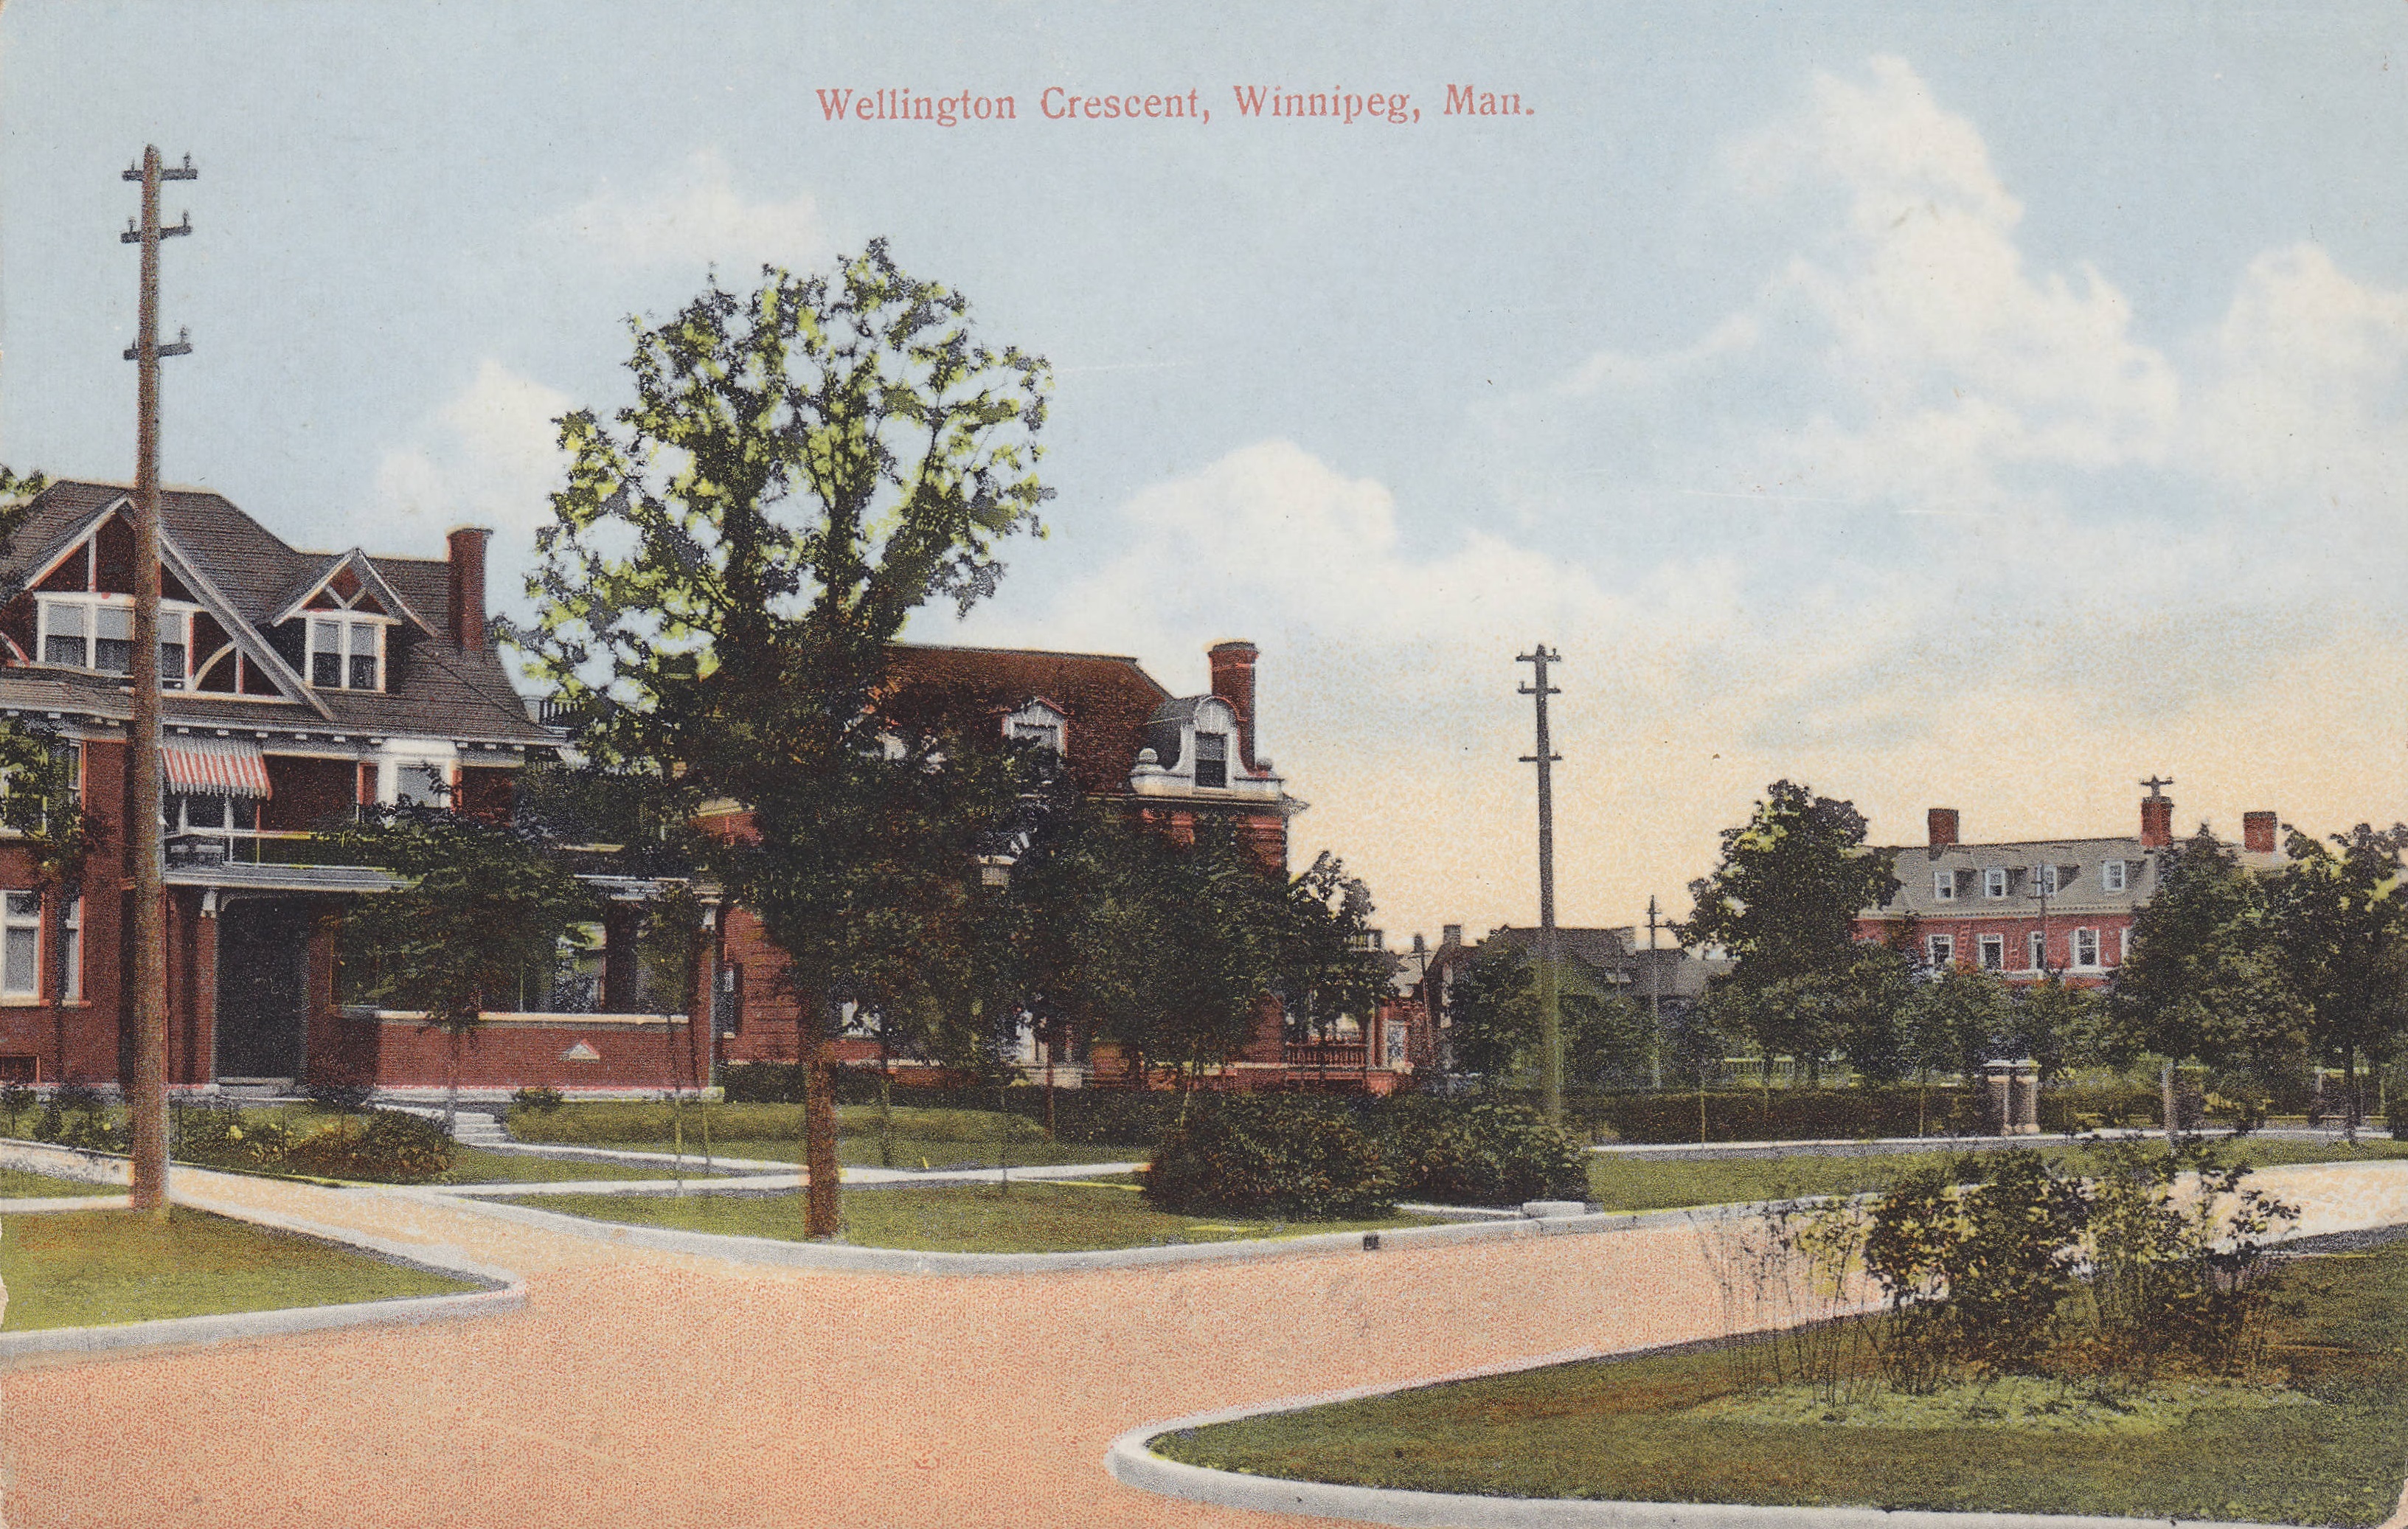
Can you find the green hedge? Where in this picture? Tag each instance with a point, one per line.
(1258, 1156)
(383, 1145)
(1088, 1117)
(1481, 1154)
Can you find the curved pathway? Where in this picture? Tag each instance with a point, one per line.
(664, 1389)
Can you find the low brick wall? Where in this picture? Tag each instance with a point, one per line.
(565, 1051)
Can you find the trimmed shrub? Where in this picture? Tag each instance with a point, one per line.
(1481, 1154)
(78, 1116)
(1085, 1116)
(388, 1146)
(224, 1138)
(542, 1099)
(1252, 1156)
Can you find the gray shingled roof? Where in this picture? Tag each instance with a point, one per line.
(438, 690)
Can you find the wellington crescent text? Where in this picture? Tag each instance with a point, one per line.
(1060, 103)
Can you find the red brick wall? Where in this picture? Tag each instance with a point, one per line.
(503, 1053)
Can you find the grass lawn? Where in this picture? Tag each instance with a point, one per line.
(90, 1268)
(907, 1151)
(477, 1165)
(41, 1186)
(1033, 1217)
(773, 1133)
(1625, 1429)
(1655, 1183)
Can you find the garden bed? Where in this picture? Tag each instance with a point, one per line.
(1053, 1217)
(2314, 1436)
(88, 1268)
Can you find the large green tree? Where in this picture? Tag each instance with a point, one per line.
(2342, 926)
(480, 904)
(2208, 977)
(802, 468)
(1326, 968)
(1785, 897)
(1784, 901)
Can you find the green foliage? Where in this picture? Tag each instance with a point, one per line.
(1785, 897)
(2003, 1265)
(1323, 965)
(15, 1100)
(1244, 1155)
(802, 468)
(2343, 927)
(541, 1098)
(1974, 1261)
(77, 1116)
(1493, 1011)
(380, 1146)
(2209, 975)
(481, 903)
(1955, 1022)
(1485, 1154)
(1163, 948)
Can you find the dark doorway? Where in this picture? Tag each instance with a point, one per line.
(262, 986)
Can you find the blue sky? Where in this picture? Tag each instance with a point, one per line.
(1975, 410)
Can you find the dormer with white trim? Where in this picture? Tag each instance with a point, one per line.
(1040, 721)
(1195, 748)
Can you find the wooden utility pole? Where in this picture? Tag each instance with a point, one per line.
(1654, 1002)
(146, 1103)
(1551, 1017)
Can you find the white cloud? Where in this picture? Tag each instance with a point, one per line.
(1921, 522)
(490, 456)
(698, 216)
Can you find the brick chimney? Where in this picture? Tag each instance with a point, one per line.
(2257, 833)
(468, 587)
(1942, 821)
(2157, 821)
(1232, 680)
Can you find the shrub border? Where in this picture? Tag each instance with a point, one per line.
(505, 1292)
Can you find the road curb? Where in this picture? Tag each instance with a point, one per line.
(848, 1258)
(507, 1290)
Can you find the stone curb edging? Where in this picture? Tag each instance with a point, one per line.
(507, 1290)
(67, 1202)
(847, 1257)
(1129, 1461)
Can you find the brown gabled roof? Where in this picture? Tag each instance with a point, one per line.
(438, 690)
(1107, 697)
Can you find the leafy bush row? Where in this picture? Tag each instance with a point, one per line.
(385, 1146)
(1089, 1117)
(1864, 1112)
(1320, 1159)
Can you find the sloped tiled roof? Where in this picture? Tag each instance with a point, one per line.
(1108, 699)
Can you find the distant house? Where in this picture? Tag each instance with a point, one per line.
(1605, 962)
(1171, 762)
(2031, 909)
(297, 686)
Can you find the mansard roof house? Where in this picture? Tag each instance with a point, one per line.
(1123, 739)
(2035, 908)
(297, 686)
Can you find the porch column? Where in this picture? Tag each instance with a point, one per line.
(322, 1047)
(620, 924)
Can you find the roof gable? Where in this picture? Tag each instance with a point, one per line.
(1107, 700)
(350, 578)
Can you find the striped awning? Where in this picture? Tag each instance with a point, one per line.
(214, 767)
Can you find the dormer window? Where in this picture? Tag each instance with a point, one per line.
(1040, 723)
(1212, 759)
(96, 631)
(346, 652)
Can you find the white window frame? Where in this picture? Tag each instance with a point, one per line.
(1994, 881)
(2113, 876)
(1992, 952)
(2044, 879)
(349, 625)
(2085, 941)
(1197, 766)
(2038, 948)
(175, 630)
(15, 921)
(2123, 945)
(1942, 949)
(1943, 886)
(71, 930)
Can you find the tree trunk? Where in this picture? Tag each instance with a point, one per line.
(819, 1141)
(2166, 1100)
(451, 1086)
(886, 1101)
(2349, 1094)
